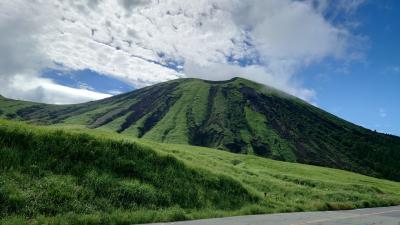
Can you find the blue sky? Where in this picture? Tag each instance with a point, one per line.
(342, 55)
(88, 79)
(365, 92)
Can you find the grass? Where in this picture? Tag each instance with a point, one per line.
(79, 176)
(173, 127)
(49, 173)
(9, 107)
(291, 186)
(279, 148)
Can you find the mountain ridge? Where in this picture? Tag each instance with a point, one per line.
(236, 115)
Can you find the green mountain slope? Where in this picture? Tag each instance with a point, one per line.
(236, 115)
(53, 176)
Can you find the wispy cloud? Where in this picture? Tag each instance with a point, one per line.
(393, 69)
(382, 113)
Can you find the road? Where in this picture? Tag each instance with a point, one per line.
(373, 216)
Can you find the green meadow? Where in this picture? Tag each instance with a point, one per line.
(72, 175)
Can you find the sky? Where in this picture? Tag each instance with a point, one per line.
(342, 56)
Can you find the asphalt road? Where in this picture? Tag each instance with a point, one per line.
(373, 216)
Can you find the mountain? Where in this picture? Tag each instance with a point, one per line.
(237, 115)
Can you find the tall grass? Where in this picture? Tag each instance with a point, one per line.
(53, 176)
(50, 173)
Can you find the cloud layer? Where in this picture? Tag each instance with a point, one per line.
(147, 41)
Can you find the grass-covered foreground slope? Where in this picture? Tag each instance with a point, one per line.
(50, 176)
(54, 173)
(236, 115)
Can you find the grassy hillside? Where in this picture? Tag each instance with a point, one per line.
(238, 115)
(80, 176)
(53, 173)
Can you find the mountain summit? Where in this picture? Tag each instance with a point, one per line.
(237, 115)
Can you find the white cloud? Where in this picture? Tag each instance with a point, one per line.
(291, 30)
(114, 92)
(145, 42)
(44, 90)
(20, 49)
(382, 113)
(22, 55)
